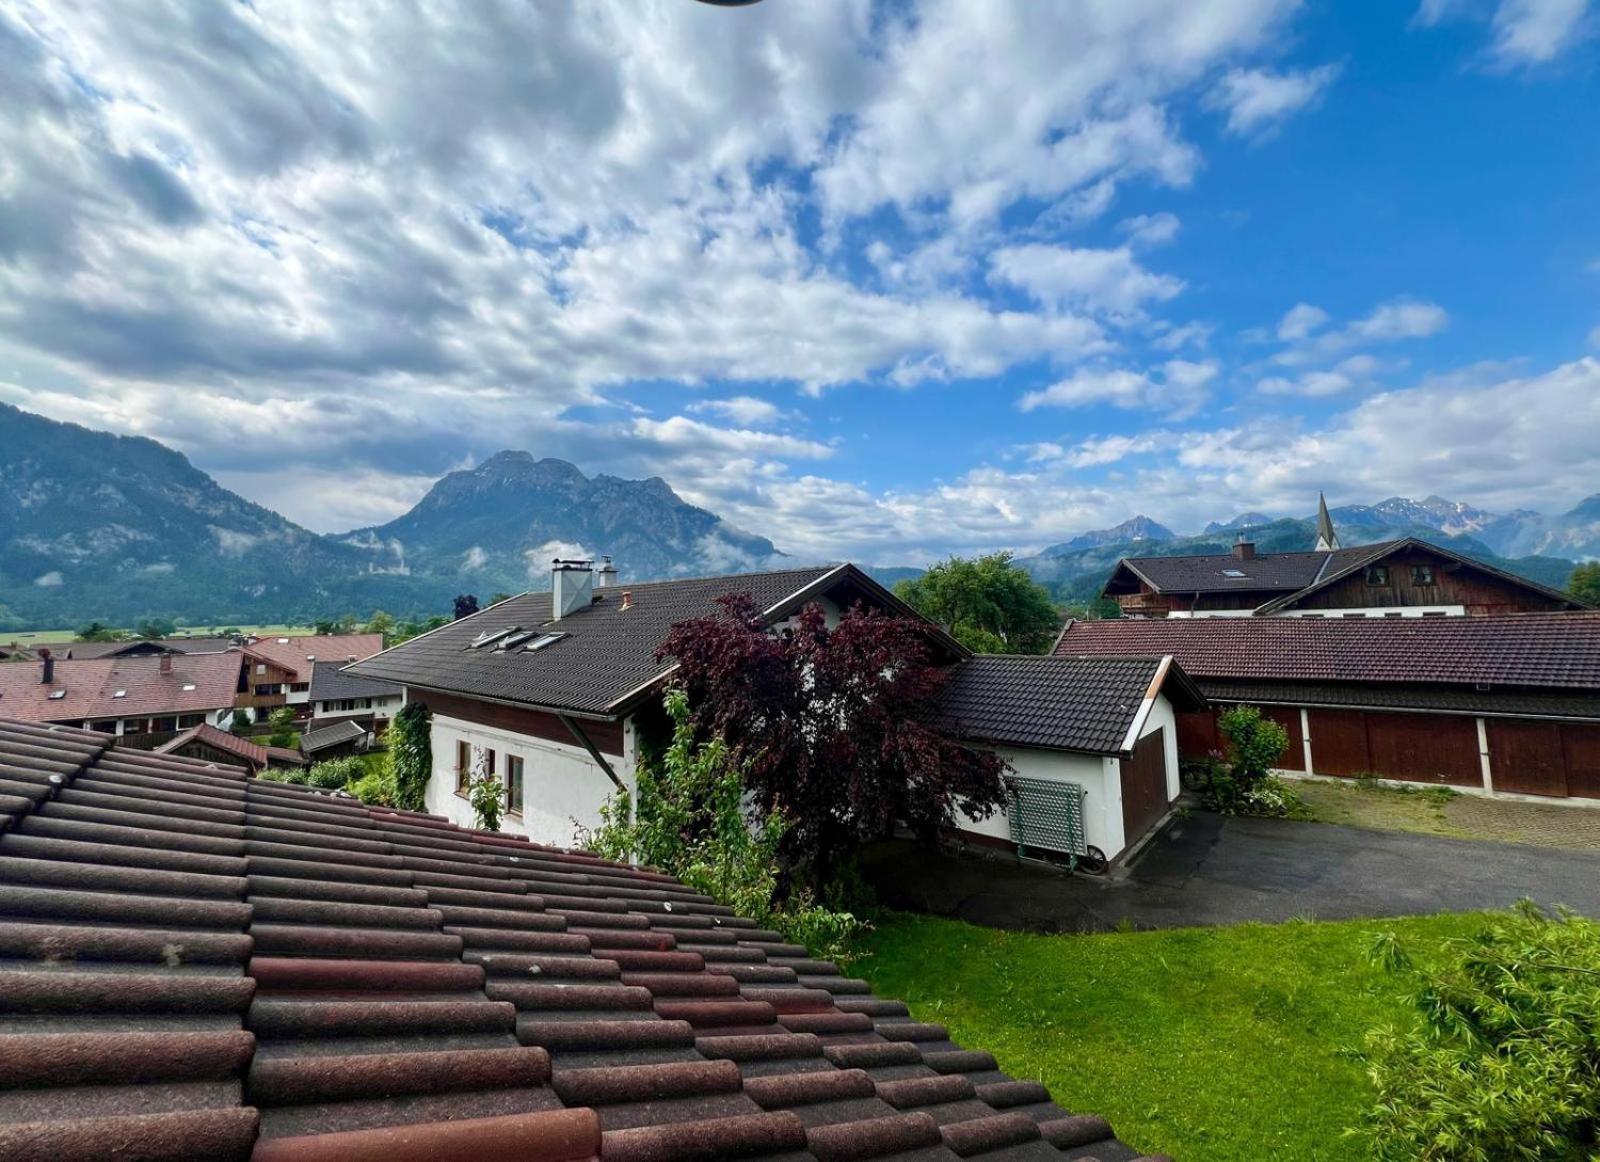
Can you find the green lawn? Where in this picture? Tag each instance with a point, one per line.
(1202, 1043)
(39, 637)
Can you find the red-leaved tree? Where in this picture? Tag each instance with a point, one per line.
(836, 728)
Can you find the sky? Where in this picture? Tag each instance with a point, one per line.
(878, 279)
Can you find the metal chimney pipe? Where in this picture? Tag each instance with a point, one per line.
(49, 674)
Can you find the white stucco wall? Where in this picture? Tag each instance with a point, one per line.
(561, 783)
(1100, 777)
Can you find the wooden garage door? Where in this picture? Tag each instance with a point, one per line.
(1197, 733)
(1144, 785)
(1581, 744)
(1425, 748)
(1339, 742)
(1526, 757)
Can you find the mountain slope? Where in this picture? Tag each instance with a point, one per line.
(118, 527)
(498, 525)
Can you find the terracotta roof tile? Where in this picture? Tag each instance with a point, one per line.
(253, 753)
(299, 654)
(203, 965)
(195, 683)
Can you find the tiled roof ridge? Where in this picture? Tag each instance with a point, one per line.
(219, 738)
(305, 977)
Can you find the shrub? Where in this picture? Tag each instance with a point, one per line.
(336, 773)
(692, 822)
(296, 775)
(1243, 785)
(240, 723)
(487, 794)
(375, 788)
(1505, 1063)
(411, 755)
(282, 725)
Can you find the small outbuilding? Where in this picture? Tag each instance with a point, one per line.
(1092, 745)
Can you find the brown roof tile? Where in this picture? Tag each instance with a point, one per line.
(298, 654)
(196, 682)
(205, 965)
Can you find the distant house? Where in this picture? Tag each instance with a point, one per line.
(278, 670)
(1489, 704)
(1405, 578)
(337, 694)
(548, 692)
(335, 740)
(145, 699)
(128, 649)
(213, 744)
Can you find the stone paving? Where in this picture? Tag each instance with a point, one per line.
(1562, 825)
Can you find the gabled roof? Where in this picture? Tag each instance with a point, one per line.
(330, 682)
(334, 734)
(196, 682)
(176, 645)
(1060, 702)
(296, 654)
(1213, 572)
(1534, 650)
(203, 965)
(1339, 570)
(212, 736)
(606, 656)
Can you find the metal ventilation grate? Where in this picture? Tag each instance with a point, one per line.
(1045, 815)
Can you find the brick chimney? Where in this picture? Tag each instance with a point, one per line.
(571, 587)
(1244, 549)
(166, 662)
(48, 676)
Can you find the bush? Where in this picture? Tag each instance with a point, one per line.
(281, 724)
(1243, 785)
(487, 794)
(692, 823)
(375, 788)
(1505, 1063)
(240, 723)
(296, 775)
(411, 755)
(336, 773)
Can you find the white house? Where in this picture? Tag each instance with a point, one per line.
(547, 692)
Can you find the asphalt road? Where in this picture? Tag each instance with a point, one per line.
(1207, 869)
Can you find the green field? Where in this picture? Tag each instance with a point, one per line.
(45, 637)
(1202, 1043)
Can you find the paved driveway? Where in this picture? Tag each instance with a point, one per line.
(1207, 869)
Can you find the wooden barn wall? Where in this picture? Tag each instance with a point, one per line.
(1454, 584)
(1526, 756)
(606, 736)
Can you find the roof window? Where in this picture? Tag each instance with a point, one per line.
(57, 695)
(516, 639)
(119, 693)
(489, 637)
(1233, 573)
(188, 686)
(543, 640)
(283, 641)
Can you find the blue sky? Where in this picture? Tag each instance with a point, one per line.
(878, 280)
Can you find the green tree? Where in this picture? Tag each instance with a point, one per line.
(1584, 584)
(1244, 785)
(991, 605)
(99, 631)
(281, 723)
(411, 755)
(325, 627)
(240, 723)
(381, 623)
(499, 597)
(1505, 1062)
(154, 628)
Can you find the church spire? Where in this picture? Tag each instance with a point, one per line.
(1327, 539)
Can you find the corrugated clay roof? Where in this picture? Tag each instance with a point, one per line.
(201, 965)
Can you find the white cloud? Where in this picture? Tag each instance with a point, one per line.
(741, 409)
(1258, 101)
(474, 558)
(1401, 319)
(1594, 338)
(1150, 229)
(1531, 32)
(1300, 320)
(1176, 338)
(50, 580)
(1065, 278)
(1177, 392)
(1343, 376)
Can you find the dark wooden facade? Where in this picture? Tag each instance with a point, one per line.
(1526, 756)
(1413, 577)
(1144, 785)
(606, 736)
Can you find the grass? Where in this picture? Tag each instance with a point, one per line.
(1201, 1043)
(374, 761)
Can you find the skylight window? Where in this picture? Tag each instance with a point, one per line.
(543, 640)
(119, 693)
(1232, 573)
(57, 695)
(491, 636)
(516, 639)
(188, 686)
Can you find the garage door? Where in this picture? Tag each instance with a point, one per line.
(1144, 785)
(1425, 748)
(1339, 742)
(1527, 757)
(1582, 746)
(1293, 757)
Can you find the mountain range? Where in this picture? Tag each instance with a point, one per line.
(117, 528)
